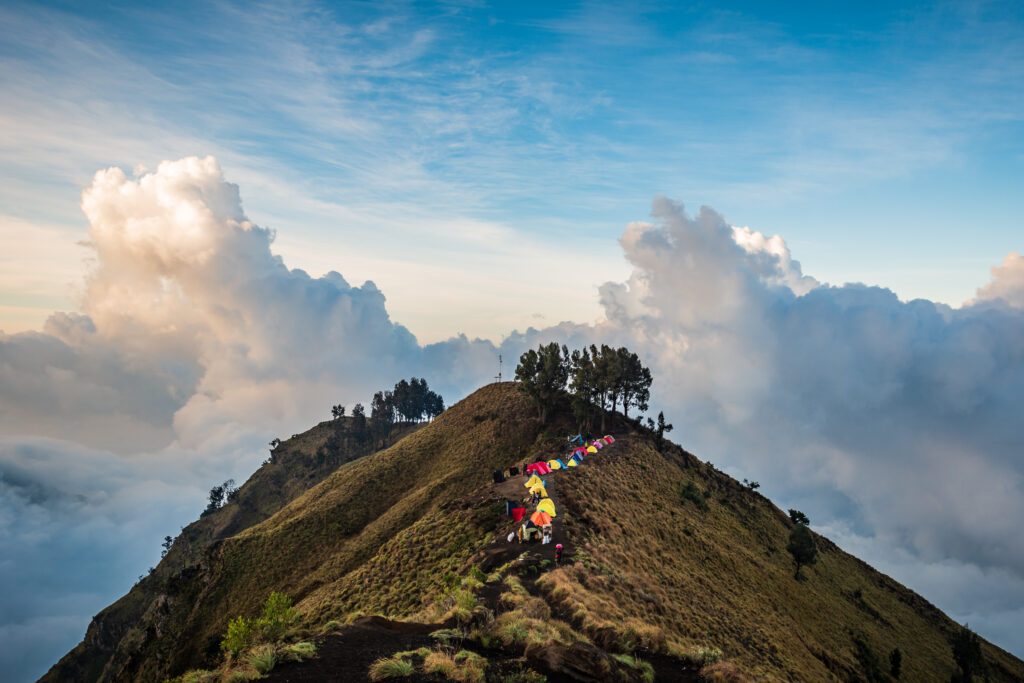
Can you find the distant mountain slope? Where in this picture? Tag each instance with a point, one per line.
(296, 464)
(385, 534)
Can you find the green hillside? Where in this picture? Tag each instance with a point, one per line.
(416, 533)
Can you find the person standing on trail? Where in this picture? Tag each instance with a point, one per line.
(558, 553)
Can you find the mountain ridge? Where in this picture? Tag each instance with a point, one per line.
(380, 533)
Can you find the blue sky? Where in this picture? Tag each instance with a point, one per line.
(882, 142)
(498, 167)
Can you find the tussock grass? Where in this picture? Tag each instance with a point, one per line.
(263, 658)
(391, 667)
(439, 663)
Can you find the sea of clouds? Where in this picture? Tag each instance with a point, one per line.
(895, 426)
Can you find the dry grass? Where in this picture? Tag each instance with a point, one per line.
(723, 672)
(391, 534)
(653, 567)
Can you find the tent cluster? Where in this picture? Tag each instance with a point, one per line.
(538, 525)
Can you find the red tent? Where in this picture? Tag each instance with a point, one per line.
(538, 467)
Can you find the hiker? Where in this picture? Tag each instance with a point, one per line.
(558, 553)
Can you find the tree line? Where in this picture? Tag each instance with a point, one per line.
(408, 401)
(598, 379)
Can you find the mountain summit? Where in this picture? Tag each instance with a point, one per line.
(397, 562)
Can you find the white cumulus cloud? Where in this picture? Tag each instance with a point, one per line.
(895, 422)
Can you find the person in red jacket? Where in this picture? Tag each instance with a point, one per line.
(558, 553)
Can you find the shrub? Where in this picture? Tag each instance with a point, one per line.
(242, 677)
(691, 493)
(238, 636)
(331, 626)
(477, 573)
(263, 658)
(393, 667)
(278, 615)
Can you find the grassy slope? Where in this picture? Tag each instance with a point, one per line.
(294, 468)
(324, 546)
(723, 577)
(379, 534)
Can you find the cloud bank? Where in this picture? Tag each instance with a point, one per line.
(893, 424)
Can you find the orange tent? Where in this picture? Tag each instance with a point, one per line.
(540, 518)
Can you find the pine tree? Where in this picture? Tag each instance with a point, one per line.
(967, 655)
(543, 374)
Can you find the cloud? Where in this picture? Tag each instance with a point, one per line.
(195, 344)
(1007, 283)
(900, 418)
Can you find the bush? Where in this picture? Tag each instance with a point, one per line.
(331, 626)
(278, 615)
(691, 493)
(239, 636)
(394, 667)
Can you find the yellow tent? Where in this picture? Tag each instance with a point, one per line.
(547, 505)
(533, 481)
(539, 488)
(591, 449)
(572, 462)
(554, 464)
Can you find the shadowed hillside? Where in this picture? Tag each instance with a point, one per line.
(416, 533)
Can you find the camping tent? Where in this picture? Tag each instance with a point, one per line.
(533, 481)
(539, 488)
(572, 462)
(609, 439)
(554, 464)
(591, 449)
(598, 444)
(547, 505)
(538, 468)
(540, 518)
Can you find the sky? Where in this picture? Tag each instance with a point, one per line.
(213, 214)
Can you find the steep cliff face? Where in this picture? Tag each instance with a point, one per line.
(656, 542)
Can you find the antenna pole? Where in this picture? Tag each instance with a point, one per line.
(499, 368)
